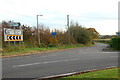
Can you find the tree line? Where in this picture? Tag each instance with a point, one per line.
(78, 34)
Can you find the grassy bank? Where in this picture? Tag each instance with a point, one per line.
(110, 74)
(104, 42)
(36, 49)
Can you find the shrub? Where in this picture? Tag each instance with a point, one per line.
(51, 45)
(80, 34)
(115, 43)
(13, 48)
(42, 45)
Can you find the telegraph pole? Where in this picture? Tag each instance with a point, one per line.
(38, 31)
(68, 29)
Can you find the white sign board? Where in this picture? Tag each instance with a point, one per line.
(14, 24)
(13, 34)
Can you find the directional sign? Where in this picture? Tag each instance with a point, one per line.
(118, 34)
(53, 33)
(12, 31)
(13, 35)
(14, 24)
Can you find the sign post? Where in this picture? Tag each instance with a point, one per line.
(14, 24)
(118, 34)
(13, 34)
(54, 34)
(8, 44)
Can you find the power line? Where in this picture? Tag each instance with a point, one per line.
(95, 17)
(70, 15)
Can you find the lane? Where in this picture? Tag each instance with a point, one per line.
(54, 63)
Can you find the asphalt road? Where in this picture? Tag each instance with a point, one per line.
(55, 63)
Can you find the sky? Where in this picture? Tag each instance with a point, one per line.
(99, 14)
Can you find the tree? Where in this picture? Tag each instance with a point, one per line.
(94, 33)
(80, 34)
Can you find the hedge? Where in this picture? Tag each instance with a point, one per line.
(115, 43)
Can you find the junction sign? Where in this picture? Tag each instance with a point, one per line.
(13, 35)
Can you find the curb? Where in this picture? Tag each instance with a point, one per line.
(73, 73)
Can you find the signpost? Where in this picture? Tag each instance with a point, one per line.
(13, 34)
(14, 24)
(53, 33)
(118, 34)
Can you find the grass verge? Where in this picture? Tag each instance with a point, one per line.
(36, 49)
(104, 41)
(109, 74)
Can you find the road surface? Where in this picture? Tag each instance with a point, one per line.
(61, 62)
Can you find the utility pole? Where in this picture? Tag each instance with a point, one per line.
(68, 29)
(38, 31)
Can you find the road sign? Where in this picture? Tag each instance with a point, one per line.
(13, 37)
(53, 33)
(118, 34)
(13, 34)
(12, 31)
(14, 24)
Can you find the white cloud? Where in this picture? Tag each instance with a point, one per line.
(55, 11)
(106, 27)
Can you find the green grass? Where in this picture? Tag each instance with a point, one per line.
(104, 41)
(36, 49)
(109, 73)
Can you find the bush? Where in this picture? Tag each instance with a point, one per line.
(115, 43)
(83, 38)
(51, 45)
(42, 45)
(13, 48)
(80, 34)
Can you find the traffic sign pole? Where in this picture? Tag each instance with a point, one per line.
(14, 43)
(19, 43)
(8, 43)
(14, 32)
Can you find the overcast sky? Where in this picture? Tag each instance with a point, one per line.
(99, 14)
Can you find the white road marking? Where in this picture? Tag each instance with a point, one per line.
(45, 62)
(110, 52)
(23, 65)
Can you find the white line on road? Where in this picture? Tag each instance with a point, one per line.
(23, 65)
(30, 64)
(110, 52)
